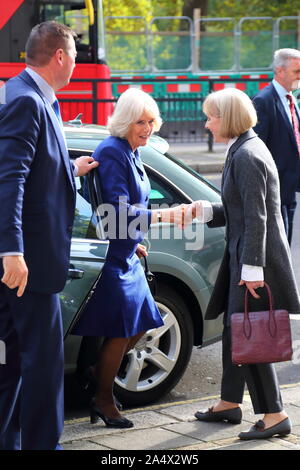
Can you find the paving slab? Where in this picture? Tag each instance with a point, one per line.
(82, 429)
(150, 439)
(289, 395)
(207, 431)
(84, 445)
(253, 445)
(186, 411)
(293, 412)
(173, 426)
(296, 430)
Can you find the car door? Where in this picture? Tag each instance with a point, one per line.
(88, 251)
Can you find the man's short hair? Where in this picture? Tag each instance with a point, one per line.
(44, 40)
(282, 56)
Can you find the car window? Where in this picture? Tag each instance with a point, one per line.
(85, 221)
(180, 176)
(162, 193)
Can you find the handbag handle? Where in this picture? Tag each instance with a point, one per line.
(148, 273)
(272, 329)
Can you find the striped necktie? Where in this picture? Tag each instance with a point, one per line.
(295, 121)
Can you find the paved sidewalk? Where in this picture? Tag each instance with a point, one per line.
(173, 427)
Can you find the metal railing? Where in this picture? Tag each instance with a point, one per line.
(183, 118)
(169, 44)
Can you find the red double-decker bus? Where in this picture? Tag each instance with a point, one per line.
(85, 17)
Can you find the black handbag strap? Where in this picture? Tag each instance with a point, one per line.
(147, 270)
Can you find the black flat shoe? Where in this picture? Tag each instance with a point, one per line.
(92, 384)
(233, 416)
(95, 414)
(258, 431)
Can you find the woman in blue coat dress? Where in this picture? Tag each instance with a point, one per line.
(122, 308)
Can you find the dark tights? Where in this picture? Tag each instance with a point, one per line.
(110, 358)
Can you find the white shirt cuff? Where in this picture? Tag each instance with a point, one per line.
(252, 273)
(204, 211)
(75, 170)
(11, 253)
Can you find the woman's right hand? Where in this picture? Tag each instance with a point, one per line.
(183, 215)
(251, 286)
(197, 207)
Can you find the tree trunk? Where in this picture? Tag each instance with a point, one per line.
(189, 6)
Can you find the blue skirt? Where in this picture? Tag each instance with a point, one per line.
(122, 304)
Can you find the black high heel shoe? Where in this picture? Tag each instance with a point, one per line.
(91, 383)
(95, 414)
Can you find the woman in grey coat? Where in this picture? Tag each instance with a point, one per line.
(256, 251)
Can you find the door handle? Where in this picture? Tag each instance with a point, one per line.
(75, 273)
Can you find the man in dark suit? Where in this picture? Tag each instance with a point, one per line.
(37, 200)
(278, 127)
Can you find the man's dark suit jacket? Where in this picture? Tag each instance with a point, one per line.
(275, 129)
(37, 188)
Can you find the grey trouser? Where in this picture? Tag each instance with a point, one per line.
(261, 380)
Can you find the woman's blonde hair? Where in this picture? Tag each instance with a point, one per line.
(235, 109)
(129, 108)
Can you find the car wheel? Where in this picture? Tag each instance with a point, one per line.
(159, 359)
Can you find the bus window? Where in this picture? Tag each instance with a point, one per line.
(77, 18)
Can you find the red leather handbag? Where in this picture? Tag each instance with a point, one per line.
(261, 337)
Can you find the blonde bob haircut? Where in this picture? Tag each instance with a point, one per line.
(234, 108)
(129, 108)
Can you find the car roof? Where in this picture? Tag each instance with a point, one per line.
(94, 133)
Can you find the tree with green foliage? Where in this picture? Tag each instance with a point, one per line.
(145, 8)
(241, 8)
(190, 5)
(126, 38)
(256, 40)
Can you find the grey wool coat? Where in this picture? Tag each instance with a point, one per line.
(255, 233)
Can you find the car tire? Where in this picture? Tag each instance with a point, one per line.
(160, 358)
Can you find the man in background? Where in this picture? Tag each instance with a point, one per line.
(278, 127)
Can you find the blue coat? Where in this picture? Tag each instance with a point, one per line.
(122, 305)
(36, 181)
(275, 129)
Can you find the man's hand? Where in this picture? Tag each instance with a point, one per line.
(15, 273)
(85, 164)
